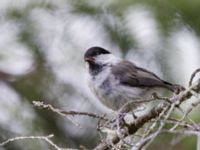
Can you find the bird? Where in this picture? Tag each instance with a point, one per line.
(115, 81)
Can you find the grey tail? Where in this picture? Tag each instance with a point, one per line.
(173, 87)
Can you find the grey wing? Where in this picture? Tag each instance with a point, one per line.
(131, 75)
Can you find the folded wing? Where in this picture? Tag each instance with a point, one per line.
(131, 75)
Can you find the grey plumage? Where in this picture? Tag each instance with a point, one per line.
(131, 75)
(115, 81)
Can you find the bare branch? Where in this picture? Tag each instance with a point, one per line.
(41, 104)
(45, 138)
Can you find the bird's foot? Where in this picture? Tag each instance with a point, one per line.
(118, 121)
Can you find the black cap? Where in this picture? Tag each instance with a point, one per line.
(95, 51)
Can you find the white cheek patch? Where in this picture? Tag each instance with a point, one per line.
(107, 59)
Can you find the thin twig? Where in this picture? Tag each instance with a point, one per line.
(67, 113)
(45, 138)
(130, 104)
(193, 75)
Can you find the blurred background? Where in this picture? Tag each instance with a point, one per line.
(42, 44)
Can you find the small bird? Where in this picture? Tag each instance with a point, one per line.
(115, 81)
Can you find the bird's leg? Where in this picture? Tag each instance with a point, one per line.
(118, 121)
(120, 117)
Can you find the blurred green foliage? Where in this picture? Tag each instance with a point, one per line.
(39, 82)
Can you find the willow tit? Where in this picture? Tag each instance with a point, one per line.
(115, 81)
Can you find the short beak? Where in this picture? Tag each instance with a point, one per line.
(89, 59)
